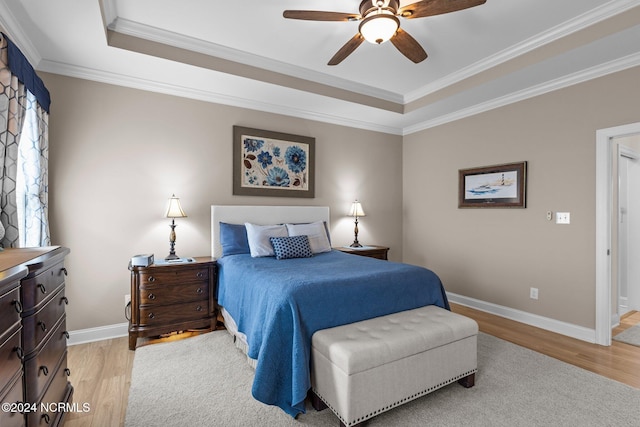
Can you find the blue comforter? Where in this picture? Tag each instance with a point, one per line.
(279, 304)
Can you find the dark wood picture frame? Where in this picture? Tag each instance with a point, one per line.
(498, 186)
(267, 163)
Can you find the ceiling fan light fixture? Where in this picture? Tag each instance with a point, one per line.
(379, 26)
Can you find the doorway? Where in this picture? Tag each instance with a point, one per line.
(606, 299)
(628, 224)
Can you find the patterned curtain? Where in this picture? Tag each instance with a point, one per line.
(23, 150)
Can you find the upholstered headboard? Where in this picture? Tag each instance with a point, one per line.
(262, 215)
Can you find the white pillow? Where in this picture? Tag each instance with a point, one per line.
(258, 238)
(317, 233)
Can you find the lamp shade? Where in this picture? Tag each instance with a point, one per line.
(356, 209)
(379, 26)
(175, 210)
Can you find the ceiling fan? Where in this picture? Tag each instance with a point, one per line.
(379, 23)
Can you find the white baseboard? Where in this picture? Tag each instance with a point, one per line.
(585, 334)
(98, 334)
(557, 326)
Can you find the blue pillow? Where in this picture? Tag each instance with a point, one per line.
(233, 239)
(291, 247)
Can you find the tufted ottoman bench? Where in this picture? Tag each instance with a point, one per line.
(363, 369)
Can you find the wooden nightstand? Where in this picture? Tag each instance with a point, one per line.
(172, 297)
(371, 251)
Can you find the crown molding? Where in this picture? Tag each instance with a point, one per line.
(10, 24)
(565, 29)
(601, 70)
(208, 96)
(158, 35)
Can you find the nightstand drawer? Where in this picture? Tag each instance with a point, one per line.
(173, 294)
(159, 315)
(158, 276)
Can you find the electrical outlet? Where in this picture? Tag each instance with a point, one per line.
(533, 293)
(563, 218)
(127, 299)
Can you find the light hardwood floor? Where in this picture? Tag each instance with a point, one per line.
(101, 371)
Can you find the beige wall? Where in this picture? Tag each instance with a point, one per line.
(496, 255)
(117, 155)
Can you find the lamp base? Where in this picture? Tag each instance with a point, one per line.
(355, 244)
(171, 256)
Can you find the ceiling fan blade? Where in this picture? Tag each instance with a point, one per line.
(347, 49)
(316, 15)
(425, 8)
(408, 46)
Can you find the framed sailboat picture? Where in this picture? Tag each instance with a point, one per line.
(498, 186)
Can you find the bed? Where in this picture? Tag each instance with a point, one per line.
(273, 306)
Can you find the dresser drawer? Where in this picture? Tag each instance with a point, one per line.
(167, 314)
(10, 309)
(42, 321)
(59, 391)
(41, 367)
(160, 275)
(10, 353)
(174, 294)
(13, 395)
(40, 287)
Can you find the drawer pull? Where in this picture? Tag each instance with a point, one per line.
(64, 271)
(66, 334)
(44, 370)
(199, 290)
(46, 418)
(42, 288)
(17, 305)
(64, 300)
(67, 371)
(151, 279)
(198, 308)
(19, 352)
(152, 296)
(200, 275)
(43, 326)
(151, 315)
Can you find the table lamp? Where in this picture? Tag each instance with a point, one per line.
(356, 211)
(174, 211)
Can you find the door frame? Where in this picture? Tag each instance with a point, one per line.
(604, 204)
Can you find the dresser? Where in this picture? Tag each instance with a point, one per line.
(169, 298)
(42, 346)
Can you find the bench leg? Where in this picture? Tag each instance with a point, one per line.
(316, 402)
(468, 381)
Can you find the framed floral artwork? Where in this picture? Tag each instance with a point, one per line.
(499, 186)
(267, 163)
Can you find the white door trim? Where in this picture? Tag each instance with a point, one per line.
(604, 204)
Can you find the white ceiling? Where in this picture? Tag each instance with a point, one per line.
(244, 53)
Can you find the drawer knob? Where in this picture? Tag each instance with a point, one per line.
(46, 418)
(64, 300)
(42, 288)
(151, 279)
(43, 326)
(199, 290)
(17, 305)
(198, 308)
(19, 352)
(66, 334)
(44, 370)
(152, 296)
(67, 371)
(64, 271)
(200, 275)
(151, 315)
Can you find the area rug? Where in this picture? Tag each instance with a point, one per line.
(630, 335)
(206, 381)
